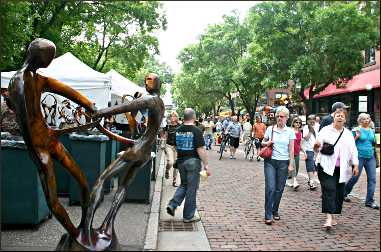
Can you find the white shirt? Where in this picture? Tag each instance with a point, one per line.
(309, 144)
(346, 147)
(247, 127)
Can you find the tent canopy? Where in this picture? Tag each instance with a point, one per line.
(121, 86)
(5, 78)
(76, 74)
(70, 70)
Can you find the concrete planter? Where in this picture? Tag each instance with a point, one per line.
(22, 198)
(89, 151)
(109, 157)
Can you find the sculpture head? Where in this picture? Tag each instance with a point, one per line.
(40, 53)
(152, 83)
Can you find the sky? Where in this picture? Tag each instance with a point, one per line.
(189, 19)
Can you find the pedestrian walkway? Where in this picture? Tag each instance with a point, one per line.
(174, 234)
(231, 206)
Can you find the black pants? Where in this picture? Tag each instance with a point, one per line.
(332, 191)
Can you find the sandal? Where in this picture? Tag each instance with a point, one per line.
(268, 222)
(327, 226)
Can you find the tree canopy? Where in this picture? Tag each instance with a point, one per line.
(310, 43)
(103, 34)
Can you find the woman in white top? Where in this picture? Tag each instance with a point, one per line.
(336, 169)
(310, 131)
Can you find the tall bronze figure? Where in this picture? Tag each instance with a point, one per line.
(25, 90)
(128, 164)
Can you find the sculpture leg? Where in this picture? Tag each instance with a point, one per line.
(117, 166)
(48, 181)
(128, 176)
(71, 166)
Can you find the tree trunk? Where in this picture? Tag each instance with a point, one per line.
(232, 106)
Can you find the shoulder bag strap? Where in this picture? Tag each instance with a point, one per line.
(338, 138)
(272, 133)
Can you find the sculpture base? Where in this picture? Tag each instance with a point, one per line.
(67, 243)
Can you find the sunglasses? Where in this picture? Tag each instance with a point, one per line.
(298, 122)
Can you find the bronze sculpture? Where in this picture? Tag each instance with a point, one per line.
(128, 164)
(25, 90)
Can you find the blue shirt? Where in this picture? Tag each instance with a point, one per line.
(281, 140)
(234, 129)
(365, 142)
(225, 124)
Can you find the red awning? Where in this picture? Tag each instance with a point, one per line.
(359, 82)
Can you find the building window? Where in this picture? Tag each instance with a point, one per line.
(370, 56)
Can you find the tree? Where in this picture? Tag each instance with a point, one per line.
(207, 81)
(152, 65)
(103, 34)
(314, 43)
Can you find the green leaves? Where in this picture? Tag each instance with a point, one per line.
(103, 34)
(313, 42)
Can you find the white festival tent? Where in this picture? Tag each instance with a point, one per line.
(76, 74)
(121, 86)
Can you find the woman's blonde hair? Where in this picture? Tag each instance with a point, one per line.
(174, 113)
(363, 116)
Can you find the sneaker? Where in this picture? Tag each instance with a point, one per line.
(373, 206)
(258, 158)
(193, 219)
(312, 185)
(347, 199)
(171, 210)
(231, 157)
(288, 183)
(276, 217)
(295, 185)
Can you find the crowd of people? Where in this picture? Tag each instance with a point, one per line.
(334, 156)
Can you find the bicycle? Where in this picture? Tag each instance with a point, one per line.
(250, 146)
(224, 142)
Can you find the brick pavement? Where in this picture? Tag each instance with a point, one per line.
(231, 204)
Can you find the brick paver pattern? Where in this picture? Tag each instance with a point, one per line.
(231, 205)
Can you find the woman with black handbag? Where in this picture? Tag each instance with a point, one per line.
(337, 154)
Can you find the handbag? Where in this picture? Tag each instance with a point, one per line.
(328, 149)
(267, 152)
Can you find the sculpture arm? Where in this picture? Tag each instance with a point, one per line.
(58, 87)
(140, 103)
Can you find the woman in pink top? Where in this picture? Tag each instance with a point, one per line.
(297, 126)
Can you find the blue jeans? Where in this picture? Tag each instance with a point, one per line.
(276, 172)
(370, 168)
(310, 164)
(190, 177)
(206, 136)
